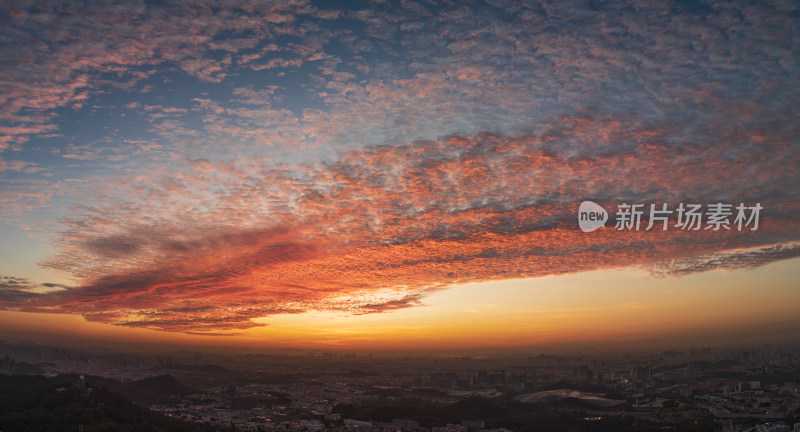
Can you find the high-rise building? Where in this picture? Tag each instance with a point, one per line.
(7, 365)
(581, 372)
(643, 374)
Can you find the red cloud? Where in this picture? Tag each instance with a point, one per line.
(210, 247)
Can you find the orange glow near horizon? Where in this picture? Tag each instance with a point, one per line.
(260, 176)
(601, 309)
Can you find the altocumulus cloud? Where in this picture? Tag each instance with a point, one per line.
(378, 228)
(427, 145)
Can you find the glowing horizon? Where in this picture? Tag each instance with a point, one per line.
(257, 174)
(622, 309)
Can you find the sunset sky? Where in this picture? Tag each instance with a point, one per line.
(396, 175)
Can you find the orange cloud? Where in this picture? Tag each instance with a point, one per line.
(209, 247)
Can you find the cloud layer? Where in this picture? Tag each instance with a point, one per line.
(215, 245)
(199, 165)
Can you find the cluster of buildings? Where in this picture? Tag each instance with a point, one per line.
(7, 365)
(749, 390)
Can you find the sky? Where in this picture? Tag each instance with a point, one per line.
(398, 175)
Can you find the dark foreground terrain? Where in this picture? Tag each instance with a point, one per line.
(38, 403)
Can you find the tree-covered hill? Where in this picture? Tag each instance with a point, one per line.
(37, 403)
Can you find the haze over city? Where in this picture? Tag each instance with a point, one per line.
(399, 216)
